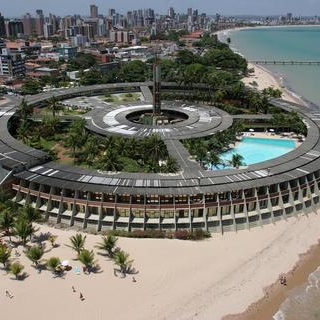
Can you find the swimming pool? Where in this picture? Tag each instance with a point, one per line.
(256, 150)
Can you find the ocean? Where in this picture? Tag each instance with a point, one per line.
(288, 43)
(300, 43)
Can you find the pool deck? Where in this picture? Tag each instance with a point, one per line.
(272, 135)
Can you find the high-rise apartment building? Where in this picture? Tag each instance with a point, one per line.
(93, 11)
(39, 22)
(2, 26)
(11, 65)
(28, 24)
(14, 28)
(171, 12)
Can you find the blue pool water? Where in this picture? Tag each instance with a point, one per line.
(256, 150)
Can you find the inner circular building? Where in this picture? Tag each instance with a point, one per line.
(217, 201)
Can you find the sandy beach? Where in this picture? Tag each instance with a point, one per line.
(263, 78)
(176, 279)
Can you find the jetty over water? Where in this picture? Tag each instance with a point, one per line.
(286, 62)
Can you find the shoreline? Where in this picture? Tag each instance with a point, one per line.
(264, 77)
(276, 293)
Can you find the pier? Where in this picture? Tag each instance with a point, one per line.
(286, 62)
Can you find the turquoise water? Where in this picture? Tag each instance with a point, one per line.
(289, 43)
(254, 150)
(285, 43)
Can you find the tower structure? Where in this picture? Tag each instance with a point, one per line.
(93, 11)
(156, 89)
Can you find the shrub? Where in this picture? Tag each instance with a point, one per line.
(182, 234)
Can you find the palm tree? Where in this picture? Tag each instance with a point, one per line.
(6, 221)
(213, 159)
(24, 110)
(52, 263)
(121, 259)
(5, 254)
(23, 132)
(171, 165)
(29, 213)
(155, 148)
(35, 253)
(24, 229)
(77, 242)
(236, 160)
(108, 244)
(54, 105)
(16, 269)
(74, 142)
(109, 161)
(91, 149)
(49, 125)
(86, 257)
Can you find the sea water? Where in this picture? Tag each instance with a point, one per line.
(298, 43)
(301, 44)
(303, 303)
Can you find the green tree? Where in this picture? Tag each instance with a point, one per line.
(213, 159)
(16, 269)
(24, 110)
(49, 126)
(108, 244)
(109, 161)
(31, 86)
(171, 165)
(29, 213)
(86, 257)
(134, 71)
(54, 105)
(73, 142)
(5, 254)
(122, 259)
(236, 160)
(23, 132)
(24, 229)
(7, 222)
(77, 242)
(52, 263)
(35, 253)
(155, 148)
(186, 57)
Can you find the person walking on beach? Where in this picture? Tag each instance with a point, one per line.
(8, 294)
(73, 289)
(81, 296)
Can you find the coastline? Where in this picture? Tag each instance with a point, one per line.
(276, 293)
(264, 77)
(176, 280)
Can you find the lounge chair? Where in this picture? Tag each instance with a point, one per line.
(76, 270)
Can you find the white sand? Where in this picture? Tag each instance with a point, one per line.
(176, 280)
(264, 79)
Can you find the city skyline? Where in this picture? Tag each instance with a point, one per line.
(16, 8)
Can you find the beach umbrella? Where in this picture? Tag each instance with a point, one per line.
(251, 130)
(65, 263)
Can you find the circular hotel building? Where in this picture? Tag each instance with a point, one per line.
(217, 201)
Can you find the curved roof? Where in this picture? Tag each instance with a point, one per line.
(191, 180)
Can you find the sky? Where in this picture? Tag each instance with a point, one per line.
(16, 8)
